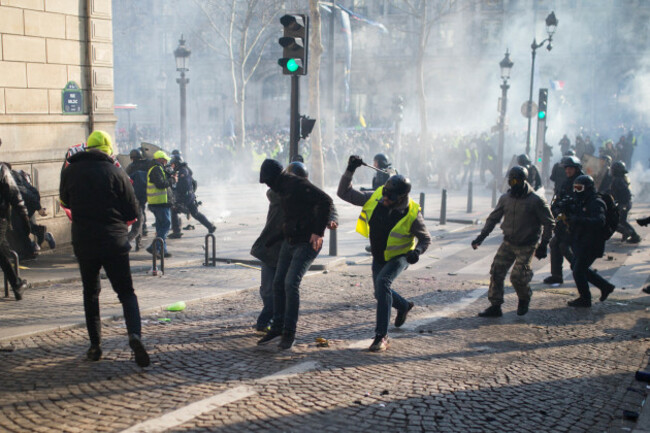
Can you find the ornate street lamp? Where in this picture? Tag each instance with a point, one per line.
(551, 26)
(506, 66)
(182, 55)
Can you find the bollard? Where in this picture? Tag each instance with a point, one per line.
(333, 240)
(154, 247)
(213, 260)
(16, 269)
(494, 194)
(469, 197)
(422, 203)
(443, 208)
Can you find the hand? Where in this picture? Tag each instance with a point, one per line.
(541, 251)
(476, 242)
(412, 257)
(316, 242)
(354, 162)
(332, 225)
(42, 211)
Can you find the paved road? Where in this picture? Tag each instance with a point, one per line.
(553, 370)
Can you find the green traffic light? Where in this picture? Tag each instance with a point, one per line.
(542, 114)
(292, 65)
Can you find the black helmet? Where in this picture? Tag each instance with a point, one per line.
(583, 185)
(523, 160)
(397, 188)
(518, 173)
(135, 154)
(570, 152)
(176, 152)
(297, 158)
(571, 161)
(270, 171)
(619, 169)
(382, 160)
(298, 168)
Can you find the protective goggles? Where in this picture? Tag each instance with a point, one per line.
(578, 187)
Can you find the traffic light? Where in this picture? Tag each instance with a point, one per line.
(543, 101)
(295, 44)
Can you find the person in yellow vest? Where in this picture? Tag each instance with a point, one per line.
(393, 222)
(158, 197)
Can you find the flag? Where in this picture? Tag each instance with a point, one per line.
(557, 85)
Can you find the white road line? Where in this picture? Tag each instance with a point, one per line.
(429, 318)
(479, 267)
(434, 255)
(633, 273)
(191, 411)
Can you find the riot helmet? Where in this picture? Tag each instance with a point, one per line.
(270, 171)
(381, 160)
(397, 189)
(517, 179)
(619, 169)
(297, 158)
(176, 159)
(571, 161)
(570, 152)
(135, 154)
(583, 186)
(298, 168)
(523, 160)
(177, 152)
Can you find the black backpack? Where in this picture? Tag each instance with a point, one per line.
(611, 214)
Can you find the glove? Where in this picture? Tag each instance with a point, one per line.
(540, 251)
(643, 221)
(478, 241)
(354, 162)
(412, 257)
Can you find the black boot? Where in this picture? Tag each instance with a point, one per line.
(580, 303)
(491, 311)
(288, 337)
(522, 307)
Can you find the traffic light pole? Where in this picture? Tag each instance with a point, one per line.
(294, 127)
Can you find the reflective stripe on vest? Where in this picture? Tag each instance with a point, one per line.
(155, 195)
(400, 240)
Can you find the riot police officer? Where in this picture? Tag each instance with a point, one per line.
(534, 179)
(620, 191)
(380, 161)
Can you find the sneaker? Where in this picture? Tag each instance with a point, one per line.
(212, 228)
(288, 337)
(580, 303)
(94, 353)
(634, 239)
(175, 235)
(149, 249)
(379, 344)
(553, 280)
(141, 356)
(646, 289)
(491, 311)
(261, 329)
(401, 315)
(49, 238)
(20, 289)
(167, 254)
(522, 307)
(604, 293)
(270, 336)
(36, 246)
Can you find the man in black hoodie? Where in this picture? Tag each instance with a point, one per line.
(307, 211)
(524, 214)
(102, 200)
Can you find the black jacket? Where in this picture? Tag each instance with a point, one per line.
(620, 190)
(10, 196)
(267, 246)
(307, 209)
(587, 226)
(102, 200)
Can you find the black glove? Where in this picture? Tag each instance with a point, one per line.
(27, 225)
(540, 251)
(412, 257)
(478, 241)
(354, 162)
(643, 221)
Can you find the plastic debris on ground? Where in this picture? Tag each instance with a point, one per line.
(176, 306)
(322, 342)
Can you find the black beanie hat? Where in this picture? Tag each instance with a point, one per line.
(270, 170)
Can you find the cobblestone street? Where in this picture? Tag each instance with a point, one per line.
(553, 370)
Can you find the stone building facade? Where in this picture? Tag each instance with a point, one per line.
(44, 46)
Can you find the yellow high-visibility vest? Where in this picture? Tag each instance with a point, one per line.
(155, 195)
(400, 240)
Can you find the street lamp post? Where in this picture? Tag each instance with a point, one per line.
(182, 55)
(551, 26)
(506, 66)
(162, 86)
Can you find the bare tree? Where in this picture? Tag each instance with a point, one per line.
(315, 52)
(243, 29)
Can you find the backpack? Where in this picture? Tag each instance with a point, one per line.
(611, 214)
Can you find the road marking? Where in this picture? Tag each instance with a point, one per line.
(633, 273)
(198, 408)
(429, 318)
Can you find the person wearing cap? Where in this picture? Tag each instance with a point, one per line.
(526, 215)
(159, 184)
(102, 201)
(392, 221)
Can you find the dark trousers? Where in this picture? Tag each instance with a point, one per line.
(624, 227)
(118, 271)
(5, 255)
(193, 209)
(266, 293)
(561, 249)
(293, 263)
(582, 273)
(136, 227)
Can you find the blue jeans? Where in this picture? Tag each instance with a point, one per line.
(383, 275)
(163, 222)
(293, 263)
(266, 293)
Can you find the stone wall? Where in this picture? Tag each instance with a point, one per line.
(44, 44)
